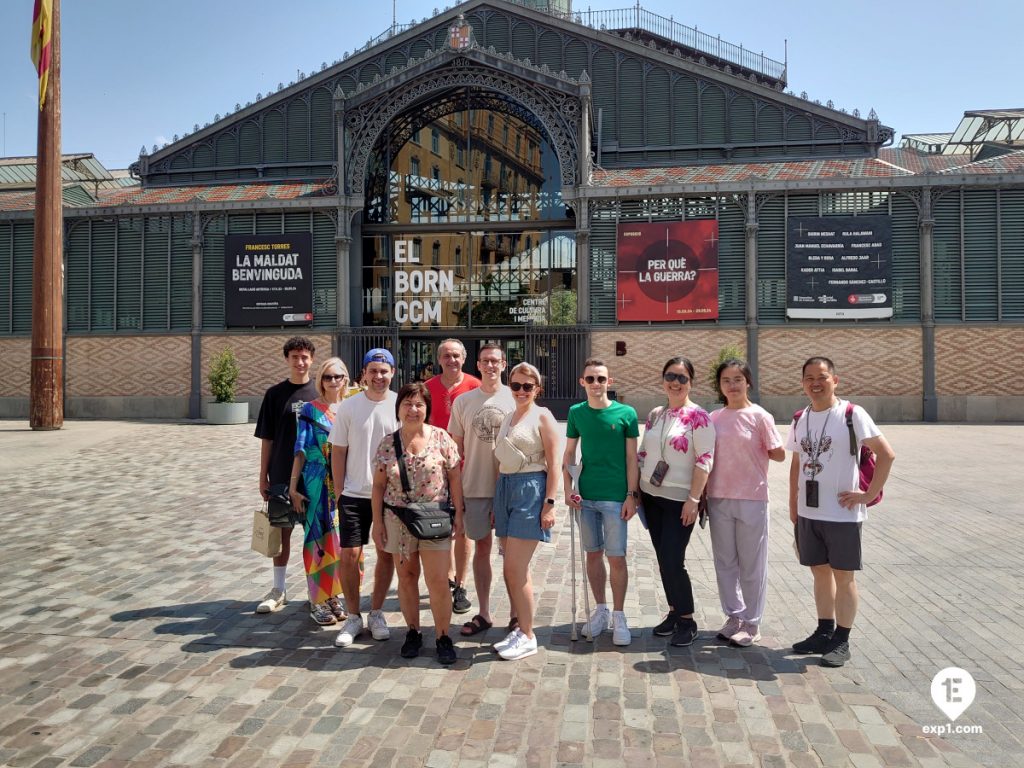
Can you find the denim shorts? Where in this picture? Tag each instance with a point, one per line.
(518, 501)
(602, 527)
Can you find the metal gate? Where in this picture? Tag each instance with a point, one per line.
(559, 353)
(353, 343)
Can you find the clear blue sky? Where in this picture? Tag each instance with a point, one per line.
(136, 72)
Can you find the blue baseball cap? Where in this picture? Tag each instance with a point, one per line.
(378, 355)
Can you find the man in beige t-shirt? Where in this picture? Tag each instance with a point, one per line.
(475, 420)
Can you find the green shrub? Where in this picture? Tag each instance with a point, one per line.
(223, 376)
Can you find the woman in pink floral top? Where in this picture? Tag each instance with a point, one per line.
(675, 457)
(432, 463)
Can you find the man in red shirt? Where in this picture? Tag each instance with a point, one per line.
(444, 388)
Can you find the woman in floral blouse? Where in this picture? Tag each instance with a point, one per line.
(675, 460)
(432, 464)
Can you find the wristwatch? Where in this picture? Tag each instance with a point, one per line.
(549, 501)
(635, 494)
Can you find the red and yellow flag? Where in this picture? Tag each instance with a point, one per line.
(42, 37)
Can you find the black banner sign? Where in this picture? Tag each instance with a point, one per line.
(839, 267)
(268, 279)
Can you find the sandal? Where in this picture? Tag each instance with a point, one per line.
(475, 626)
(322, 615)
(335, 606)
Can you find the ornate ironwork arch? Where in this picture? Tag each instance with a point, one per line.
(554, 110)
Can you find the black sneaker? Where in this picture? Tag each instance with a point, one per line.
(445, 650)
(667, 626)
(411, 646)
(460, 603)
(685, 633)
(818, 642)
(837, 655)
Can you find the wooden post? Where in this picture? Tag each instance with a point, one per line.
(46, 395)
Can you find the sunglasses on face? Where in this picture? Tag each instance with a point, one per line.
(598, 379)
(682, 378)
(334, 376)
(515, 386)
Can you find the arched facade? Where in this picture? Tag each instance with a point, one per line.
(506, 148)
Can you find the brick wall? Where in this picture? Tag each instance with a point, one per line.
(869, 361)
(979, 360)
(637, 374)
(128, 366)
(15, 368)
(259, 358)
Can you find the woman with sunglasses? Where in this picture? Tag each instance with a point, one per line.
(321, 548)
(745, 439)
(675, 458)
(526, 448)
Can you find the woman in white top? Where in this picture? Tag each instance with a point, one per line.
(675, 458)
(526, 448)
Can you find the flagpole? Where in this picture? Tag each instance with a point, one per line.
(46, 395)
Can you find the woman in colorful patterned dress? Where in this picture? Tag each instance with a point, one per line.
(675, 460)
(322, 544)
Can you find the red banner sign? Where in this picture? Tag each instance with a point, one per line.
(668, 271)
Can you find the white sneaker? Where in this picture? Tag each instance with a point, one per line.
(600, 620)
(730, 628)
(747, 635)
(620, 630)
(274, 600)
(378, 626)
(520, 647)
(349, 630)
(502, 644)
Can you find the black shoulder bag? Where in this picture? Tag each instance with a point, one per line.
(426, 520)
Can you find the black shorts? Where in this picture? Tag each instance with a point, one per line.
(355, 516)
(824, 542)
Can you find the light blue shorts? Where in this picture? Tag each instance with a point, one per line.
(602, 527)
(518, 501)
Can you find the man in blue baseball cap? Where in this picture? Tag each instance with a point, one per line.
(362, 421)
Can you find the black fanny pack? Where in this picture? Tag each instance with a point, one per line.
(426, 520)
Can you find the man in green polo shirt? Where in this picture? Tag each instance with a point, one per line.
(607, 494)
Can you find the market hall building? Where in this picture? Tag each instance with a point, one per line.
(608, 183)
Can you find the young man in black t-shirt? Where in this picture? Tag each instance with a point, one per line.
(276, 427)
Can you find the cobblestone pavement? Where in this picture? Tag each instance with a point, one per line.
(127, 635)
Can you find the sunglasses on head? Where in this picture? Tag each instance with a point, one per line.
(334, 376)
(598, 379)
(515, 386)
(682, 378)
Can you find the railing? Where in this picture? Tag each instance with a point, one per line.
(643, 20)
(669, 29)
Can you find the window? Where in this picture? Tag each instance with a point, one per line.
(414, 166)
(490, 125)
(435, 141)
(416, 136)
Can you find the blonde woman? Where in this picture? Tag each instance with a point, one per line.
(524, 501)
(321, 546)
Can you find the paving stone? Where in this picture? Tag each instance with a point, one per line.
(169, 666)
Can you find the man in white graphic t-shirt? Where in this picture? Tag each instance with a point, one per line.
(827, 505)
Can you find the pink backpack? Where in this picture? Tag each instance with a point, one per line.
(866, 464)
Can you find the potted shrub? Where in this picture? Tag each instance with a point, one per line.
(223, 378)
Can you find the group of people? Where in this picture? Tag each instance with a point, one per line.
(348, 461)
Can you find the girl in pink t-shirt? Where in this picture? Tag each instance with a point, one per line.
(745, 439)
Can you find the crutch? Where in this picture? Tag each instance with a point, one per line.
(574, 471)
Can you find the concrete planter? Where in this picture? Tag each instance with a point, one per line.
(227, 413)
